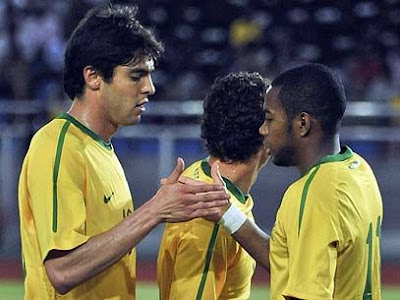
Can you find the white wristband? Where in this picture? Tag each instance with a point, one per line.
(232, 219)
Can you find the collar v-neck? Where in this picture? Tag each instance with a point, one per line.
(345, 153)
(85, 130)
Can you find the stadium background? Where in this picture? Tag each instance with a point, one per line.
(205, 39)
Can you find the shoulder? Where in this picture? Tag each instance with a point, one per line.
(58, 135)
(316, 189)
(56, 130)
(196, 171)
(49, 133)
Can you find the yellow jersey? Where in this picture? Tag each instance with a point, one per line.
(199, 259)
(325, 243)
(72, 187)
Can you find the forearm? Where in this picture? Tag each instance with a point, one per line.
(171, 203)
(255, 241)
(246, 233)
(101, 251)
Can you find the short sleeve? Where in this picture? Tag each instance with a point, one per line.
(55, 175)
(313, 248)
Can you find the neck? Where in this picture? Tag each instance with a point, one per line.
(242, 174)
(311, 153)
(90, 114)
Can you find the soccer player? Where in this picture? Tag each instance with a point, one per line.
(325, 243)
(198, 259)
(78, 224)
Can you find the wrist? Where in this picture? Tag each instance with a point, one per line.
(152, 211)
(232, 219)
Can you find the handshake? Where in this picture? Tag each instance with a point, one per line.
(196, 198)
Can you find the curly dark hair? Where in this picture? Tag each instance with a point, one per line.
(315, 89)
(108, 36)
(233, 114)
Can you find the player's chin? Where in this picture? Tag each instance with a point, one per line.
(281, 161)
(136, 120)
(131, 121)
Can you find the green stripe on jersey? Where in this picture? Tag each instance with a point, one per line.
(208, 260)
(56, 169)
(304, 196)
(233, 188)
(85, 130)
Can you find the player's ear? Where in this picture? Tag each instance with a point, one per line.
(92, 78)
(303, 124)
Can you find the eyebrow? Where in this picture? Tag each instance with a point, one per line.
(140, 71)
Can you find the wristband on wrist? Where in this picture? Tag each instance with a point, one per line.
(232, 219)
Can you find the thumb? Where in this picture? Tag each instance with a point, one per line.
(174, 176)
(215, 174)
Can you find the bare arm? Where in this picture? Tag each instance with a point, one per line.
(67, 269)
(173, 202)
(255, 241)
(249, 235)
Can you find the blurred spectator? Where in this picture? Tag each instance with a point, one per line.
(210, 38)
(393, 62)
(244, 31)
(39, 37)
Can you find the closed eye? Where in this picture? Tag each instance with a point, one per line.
(268, 117)
(136, 78)
(137, 75)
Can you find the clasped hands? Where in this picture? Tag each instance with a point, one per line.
(182, 198)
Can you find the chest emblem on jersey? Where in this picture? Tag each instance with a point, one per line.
(354, 165)
(107, 199)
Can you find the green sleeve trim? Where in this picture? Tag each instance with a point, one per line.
(210, 251)
(304, 196)
(233, 188)
(23, 267)
(378, 227)
(56, 169)
(85, 130)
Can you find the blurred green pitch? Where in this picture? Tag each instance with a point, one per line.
(11, 290)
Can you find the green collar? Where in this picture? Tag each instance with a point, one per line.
(345, 153)
(84, 129)
(229, 184)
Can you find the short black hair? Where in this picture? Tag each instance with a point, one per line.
(108, 36)
(315, 89)
(233, 114)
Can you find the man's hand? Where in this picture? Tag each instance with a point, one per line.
(178, 201)
(217, 179)
(176, 173)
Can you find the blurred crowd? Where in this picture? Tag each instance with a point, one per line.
(205, 39)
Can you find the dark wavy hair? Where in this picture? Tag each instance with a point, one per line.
(233, 114)
(315, 89)
(108, 36)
